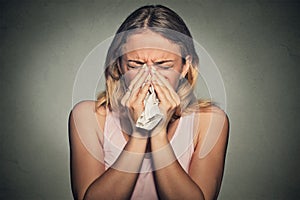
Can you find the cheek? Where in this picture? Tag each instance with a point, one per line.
(129, 76)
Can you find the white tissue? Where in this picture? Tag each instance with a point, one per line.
(151, 116)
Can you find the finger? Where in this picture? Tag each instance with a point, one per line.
(160, 93)
(136, 102)
(170, 102)
(138, 76)
(138, 86)
(125, 98)
(135, 83)
(165, 82)
(139, 83)
(143, 92)
(167, 88)
(138, 89)
(161, 78)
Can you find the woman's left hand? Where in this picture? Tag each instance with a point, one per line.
(168, 100)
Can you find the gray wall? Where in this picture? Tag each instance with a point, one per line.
(255, 44)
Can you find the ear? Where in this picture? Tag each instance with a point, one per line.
(186, 66)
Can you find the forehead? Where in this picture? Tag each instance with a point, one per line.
(150, 43)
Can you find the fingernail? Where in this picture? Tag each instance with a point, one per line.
(146, 69)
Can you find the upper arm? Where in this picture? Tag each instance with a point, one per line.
(86, 152)
(207, 164)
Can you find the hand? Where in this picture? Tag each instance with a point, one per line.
(169, 100)
(133, 100)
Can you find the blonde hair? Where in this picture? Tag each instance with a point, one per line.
(168, 24)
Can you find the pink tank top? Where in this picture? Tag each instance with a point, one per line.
(181, 142)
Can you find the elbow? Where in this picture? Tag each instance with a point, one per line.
(200, 195)
(87, 195)
(90, 195)
(196, 194)
(79, 195)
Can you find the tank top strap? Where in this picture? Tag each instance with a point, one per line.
(114, 141)
(183, 141)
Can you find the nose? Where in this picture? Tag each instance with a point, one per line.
(151, 67)
(149, 64)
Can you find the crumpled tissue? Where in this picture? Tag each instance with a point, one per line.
(151, 116)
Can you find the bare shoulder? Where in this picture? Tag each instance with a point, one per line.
(83, 106)
(88, 111)
(210, 118)
(88, 106)
(211, 111)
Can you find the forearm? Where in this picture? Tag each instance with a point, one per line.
(118, 181)
(171, 179)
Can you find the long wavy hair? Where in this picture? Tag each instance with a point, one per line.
(161, 20)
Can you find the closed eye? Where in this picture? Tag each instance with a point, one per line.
(134, 67)
(164, 64)
(136, 62)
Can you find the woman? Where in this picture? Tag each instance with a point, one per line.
(117, 152)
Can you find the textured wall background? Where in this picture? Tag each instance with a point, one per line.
(255, 44)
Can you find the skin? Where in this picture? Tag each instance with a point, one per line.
(91, 181)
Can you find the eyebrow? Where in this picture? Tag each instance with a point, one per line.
(158, 62)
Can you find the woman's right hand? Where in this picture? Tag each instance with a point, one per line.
(133, 99)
